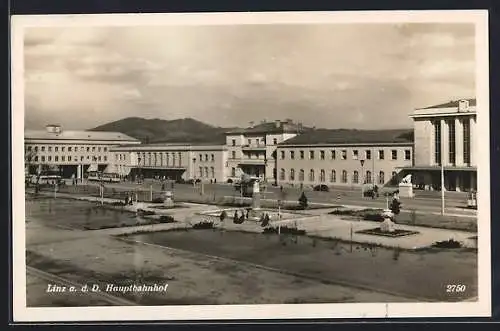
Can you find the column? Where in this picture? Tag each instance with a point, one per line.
(459, 143)
(444, 142)
(473, 141)
(458, 182)
(79, 171)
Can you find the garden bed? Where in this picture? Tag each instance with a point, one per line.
(395, 234)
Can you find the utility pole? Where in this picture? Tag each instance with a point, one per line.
(362, 181)
(442, 187)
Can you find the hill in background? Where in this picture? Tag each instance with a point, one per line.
(186, 130)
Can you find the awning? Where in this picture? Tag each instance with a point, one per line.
(437, 168)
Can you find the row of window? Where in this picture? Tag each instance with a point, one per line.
(159, 159)
(258, 141)
(204, 172)
(201, 159)
(452, 141)
(65, 158)
(64, 148)
(356, 177)
(343, 154)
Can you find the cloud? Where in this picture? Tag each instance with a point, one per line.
(229, 75)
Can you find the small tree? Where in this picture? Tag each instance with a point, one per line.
(303, 201)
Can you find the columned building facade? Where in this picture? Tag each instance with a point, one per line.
(171, 161)
(445, 137)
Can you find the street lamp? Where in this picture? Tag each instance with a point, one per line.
(362, 170)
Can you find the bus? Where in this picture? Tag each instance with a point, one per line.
(47, 180)
(103, 177)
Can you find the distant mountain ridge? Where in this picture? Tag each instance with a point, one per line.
(188, 130)
(185, 130)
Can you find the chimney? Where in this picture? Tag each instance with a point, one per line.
(277, 123)
(53, 128)
(463, 105)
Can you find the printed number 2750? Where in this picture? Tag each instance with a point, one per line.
(455, 288)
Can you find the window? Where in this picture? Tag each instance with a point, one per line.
(212, 157)
(93, 149)
(301, 155)
(394, 176)
(381, 154)
(322, 175)
(63, 158)
(355, 154)
(206, 157)
(344, 154)
(233, 172)
(50, 148)
(233, 155)
(407, 155)
(301, 175)
(105, 149)
(344, 176)
(99, 149)
(99, 158)
(233, 142)
(322, 155)
(29, 148)
(36, 158)
(282, 174)
(368, 154)
(451, 142)
(62, 149)
(69, 158)
(105, 158)
(437, 142)
(292, 155)
(249, 141)
(43, 158)
(180, 159)
(69, 149)
(49, 158)
(394, 154)
(368, 179)
(201, 172)
(355, 177)
(282, 155)
(333, 176)
(206, 172)
(311, 175)
(466, 136)
(275, 141)
(381, 178)
(292, 174)
(201, 158)
(36, 148)
(88, 149)
(43, 148)
(311, 155)
(333, 155)
(212, 172)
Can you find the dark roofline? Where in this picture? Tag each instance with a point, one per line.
(451, 104)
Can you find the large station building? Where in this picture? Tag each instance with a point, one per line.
(70, 153)
(445, 136)
(283, 153)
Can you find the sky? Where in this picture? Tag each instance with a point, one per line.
(366, 76)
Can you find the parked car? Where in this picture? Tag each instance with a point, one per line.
(321, 188)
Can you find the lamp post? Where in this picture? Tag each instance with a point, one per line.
(362, 170)
(442, 187)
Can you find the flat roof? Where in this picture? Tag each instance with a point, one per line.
(269, 128)
(451, 104)
(78, 135)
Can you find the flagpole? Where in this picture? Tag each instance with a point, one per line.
(442, 188)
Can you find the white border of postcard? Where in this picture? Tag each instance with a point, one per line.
(481, 307)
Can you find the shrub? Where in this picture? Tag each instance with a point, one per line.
(167, 219)
(303, 201)
(204, 225)
(223, 215)
(285, 230)
(447, 244)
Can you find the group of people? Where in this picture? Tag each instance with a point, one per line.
(129, 199)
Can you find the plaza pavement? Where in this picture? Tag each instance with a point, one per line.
(455, 202)
(319, 223)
